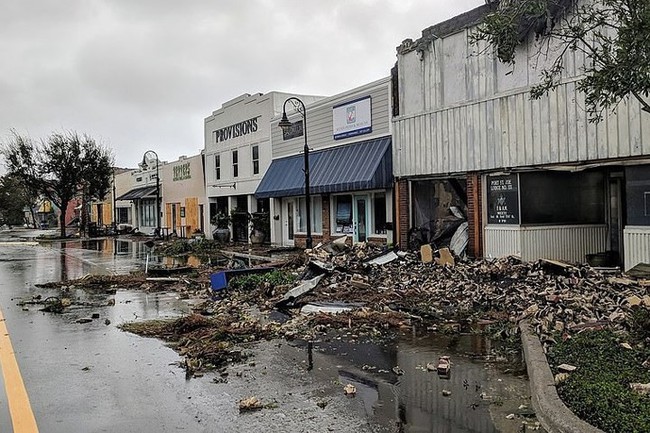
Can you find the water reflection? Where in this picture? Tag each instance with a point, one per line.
(414, 401)
(75, 259)
(63, 263)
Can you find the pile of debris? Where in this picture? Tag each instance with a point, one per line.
(369, 291)
(559, 298)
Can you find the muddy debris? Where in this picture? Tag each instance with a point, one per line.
(250, 404)
(350, 390)
(369, 292)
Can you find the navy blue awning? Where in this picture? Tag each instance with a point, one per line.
(138, 193)
(353, 167)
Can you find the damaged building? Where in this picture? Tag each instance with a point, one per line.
(531, 177)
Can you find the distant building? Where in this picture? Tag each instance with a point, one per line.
(184, 199)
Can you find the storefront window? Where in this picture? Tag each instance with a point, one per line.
(379, 217)
(122, 215)
(562, 198)
(148, 213)
(256, 159)
(316, 215)
(343, 212)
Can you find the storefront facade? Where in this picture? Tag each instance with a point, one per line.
(237, 154)
(184, 200)
(540, 179)
(140, 199)
(350, 159)
(109, 210)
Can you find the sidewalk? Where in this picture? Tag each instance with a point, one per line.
(549, 409)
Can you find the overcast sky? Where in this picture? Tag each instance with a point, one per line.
(143, 74)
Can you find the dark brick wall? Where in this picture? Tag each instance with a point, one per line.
(474, 215)
(326, 218)
(403, 216)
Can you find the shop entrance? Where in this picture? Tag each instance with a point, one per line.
(360, 218)
(615, 218)
(288, 216)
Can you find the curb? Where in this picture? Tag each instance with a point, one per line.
(551, 412)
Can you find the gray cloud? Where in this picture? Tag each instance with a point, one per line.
(144, 74)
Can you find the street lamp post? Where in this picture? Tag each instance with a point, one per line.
(285, 124)
(146, 159)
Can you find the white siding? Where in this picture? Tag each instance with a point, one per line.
(462, 110)
(262, 107)
(319, 120)
(637, 246)
(501, 241)
(570, 243)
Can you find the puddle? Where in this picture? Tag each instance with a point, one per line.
(480, 395)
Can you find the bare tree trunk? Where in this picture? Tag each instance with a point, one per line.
(83, 215)
(64, 207)
(31, 211)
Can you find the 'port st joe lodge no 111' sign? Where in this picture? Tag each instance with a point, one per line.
(503, 199)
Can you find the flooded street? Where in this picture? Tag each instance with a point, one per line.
(92, 377)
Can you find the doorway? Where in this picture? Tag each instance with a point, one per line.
(360, 218)
(288, 229)
(615, 212)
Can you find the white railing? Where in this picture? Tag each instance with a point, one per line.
(636, 241)
(566, 242)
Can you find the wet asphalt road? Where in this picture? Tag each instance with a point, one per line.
(93, 377)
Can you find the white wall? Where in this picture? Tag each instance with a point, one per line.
(320, 121)
(462, 110)
(262, 107)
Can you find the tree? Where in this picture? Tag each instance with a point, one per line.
(614, 35)
(62, 167)
(14, 198)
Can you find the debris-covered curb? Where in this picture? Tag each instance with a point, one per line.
(552, 413)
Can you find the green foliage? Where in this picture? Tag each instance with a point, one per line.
(183, 247)
(14, 197)
(509, 25)
(175, 248)
(62, 167)
(251, 282)
(221, 220)
(598, 391)
(261, 222)
(611, 34)
(640, 324)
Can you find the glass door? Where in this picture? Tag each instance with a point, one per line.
(288, 218)
(360, 218)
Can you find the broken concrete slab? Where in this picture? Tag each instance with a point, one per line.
(330, 307)
(640, 388)
(305, 287)
(383, 259)
(446, 258)
(567, 368)
(321, 266)
(426, 253)
(633, 301)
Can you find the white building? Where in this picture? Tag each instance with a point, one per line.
(351, 182)
(237, 154)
